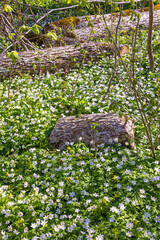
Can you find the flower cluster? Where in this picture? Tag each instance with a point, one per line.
(81, 193)
(54, 199)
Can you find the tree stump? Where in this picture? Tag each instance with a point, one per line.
(93, 130)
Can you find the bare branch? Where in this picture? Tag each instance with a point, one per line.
(115, 65)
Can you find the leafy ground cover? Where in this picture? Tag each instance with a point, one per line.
(77, 194)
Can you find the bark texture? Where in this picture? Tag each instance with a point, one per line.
(92, 129)
(52, 59)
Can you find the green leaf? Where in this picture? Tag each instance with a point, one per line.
(13, 56)
(22, 28)
(19, 38)
(7, 8)
(35, 28)
(10, 35)
(83, 3)
(52, 35)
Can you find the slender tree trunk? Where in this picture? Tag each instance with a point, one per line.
(150, 51)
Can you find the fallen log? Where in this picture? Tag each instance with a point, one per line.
(52, 59)
(66, 57)
(93, 129)
(99, 27)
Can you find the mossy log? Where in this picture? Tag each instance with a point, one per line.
(65, 24)
(93, 130)
(52, 59)
(80, 28)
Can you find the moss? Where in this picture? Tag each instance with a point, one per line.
(128, 12)
(63, 26)
(156, 7)
(67, 22)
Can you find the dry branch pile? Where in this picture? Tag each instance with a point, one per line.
(64, 57)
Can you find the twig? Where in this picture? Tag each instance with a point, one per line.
(137, 96)
(45, 15)
(135, 38)
(115, 65)
(127, 2)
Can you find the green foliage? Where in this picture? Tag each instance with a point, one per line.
(13, 55)
(36, 28)
(39, 187)
(106, 193)
(52, 35)
(7, 8)
(23, 28)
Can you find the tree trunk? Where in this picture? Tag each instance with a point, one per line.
(150, 28)
(92, 129)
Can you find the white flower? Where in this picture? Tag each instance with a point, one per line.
(10, 228)
(26, 229)
(127, 200)
(147, 214)
(98, 165)
(116, 210)
(106, 184)
(148, 207)
(129, 234)
(142, 191)
(140, 167)
(153, 199)
(145, 180)
(19, 177)
(129, 225)
(99, 237)
(95, 194)
(135, 202)
(128, 172)
(16, 232)
(108, 169)
(47, 209)
(20, 214)
(140, 229)
(25, 184)
(134, 182)
(61, 183)
(111, 219)
(122, 206)
(33, 225)
(129, 188)
(132, 163)
(157, 219)
(118, 185)
(5, 237)
(30, 208)
(107, 199)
